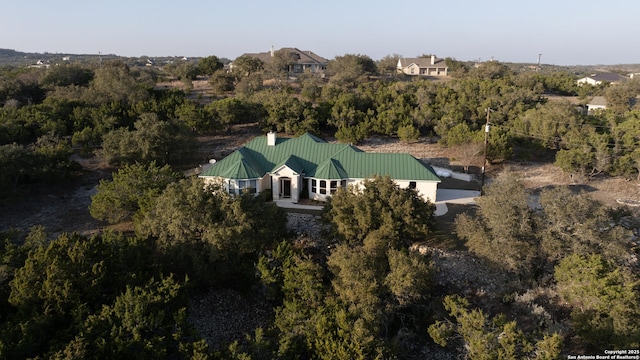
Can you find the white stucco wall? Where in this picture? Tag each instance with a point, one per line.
(426, 189)
(592, 108)
(264, 183)
(261, 184)
(412, 69)
(587, 80)
(323, 197)
(296, 183)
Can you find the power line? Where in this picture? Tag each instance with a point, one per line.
(623, 147)
(585, 124)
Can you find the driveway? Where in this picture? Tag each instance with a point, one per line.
(443, 197)
(453, 196)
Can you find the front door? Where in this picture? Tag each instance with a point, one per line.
(285, 187)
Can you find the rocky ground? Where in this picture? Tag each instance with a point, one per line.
(59, 207)
(224, 315)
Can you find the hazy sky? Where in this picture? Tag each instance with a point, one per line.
(565, 32)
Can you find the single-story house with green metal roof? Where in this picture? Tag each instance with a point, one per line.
(291, 166)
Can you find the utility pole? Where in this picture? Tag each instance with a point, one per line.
(486, 140)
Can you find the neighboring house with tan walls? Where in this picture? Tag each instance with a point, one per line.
(425, 66)
(302, 61)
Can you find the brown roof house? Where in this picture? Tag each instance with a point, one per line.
(425, 66)
(302, 61)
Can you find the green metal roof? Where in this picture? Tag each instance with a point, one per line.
(314, 157)
(292, 163)
(241, 169)
(331, 169)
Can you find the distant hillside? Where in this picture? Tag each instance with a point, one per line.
(10, 57)
(17, 58)
(10, 53)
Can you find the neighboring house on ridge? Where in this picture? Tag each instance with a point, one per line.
(600, 103)
(425, 66)
(597, 79)
(596, 103)
(303, 60)
(291, 166)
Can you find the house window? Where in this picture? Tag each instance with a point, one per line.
(313, 186)
(323, 186)
(232, 188)
(334, 186)
(343, 183)
(412, 184)
(248, 186)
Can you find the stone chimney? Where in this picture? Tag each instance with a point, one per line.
(433, 59)
(271, 138)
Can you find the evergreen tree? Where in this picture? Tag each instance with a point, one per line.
(604, 299)
(132, 190)
(379, 206)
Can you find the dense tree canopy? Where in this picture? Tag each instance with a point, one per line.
(209, 65)
(388, 65)
(227, 112)
(246, 65)
(46, 160)
(62, 283)
(151, 140)
(502, 232)
(604, 299)
(379, 209)
(93, 102)
(351, 69)
(115, 82)
(287, 114)
(207, 233)
(508, 232)
(575, 223)
(132, 191)
(66, 75)
(486, 338)
(20, 89)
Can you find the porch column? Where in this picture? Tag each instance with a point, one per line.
(275, 184)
